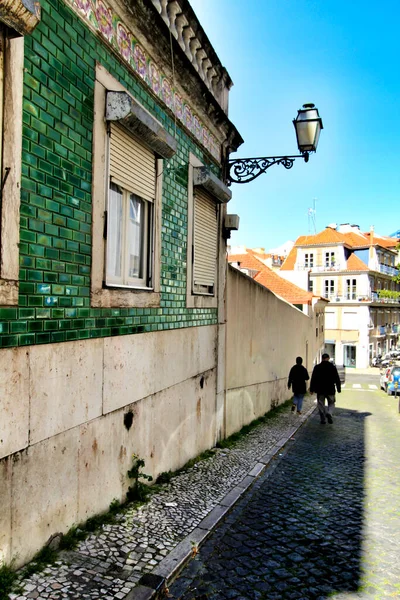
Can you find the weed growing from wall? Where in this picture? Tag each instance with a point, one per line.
(138, 491)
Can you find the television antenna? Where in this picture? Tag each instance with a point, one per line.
(312, 216)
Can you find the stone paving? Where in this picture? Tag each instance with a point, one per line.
(324, 521)
(109, 564)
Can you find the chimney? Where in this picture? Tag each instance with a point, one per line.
(371, 242)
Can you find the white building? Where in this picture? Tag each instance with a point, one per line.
(354, 270)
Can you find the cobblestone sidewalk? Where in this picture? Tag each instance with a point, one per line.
(156, 539)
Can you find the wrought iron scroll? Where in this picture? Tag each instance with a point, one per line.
(244, 170)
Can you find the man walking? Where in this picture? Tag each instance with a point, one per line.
(324, 378)
(297, 379)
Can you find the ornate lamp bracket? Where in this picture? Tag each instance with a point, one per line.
(244, 170)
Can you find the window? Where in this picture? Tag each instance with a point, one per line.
(205, 242)
(127, 187)
(206, 248)
(311, 285)
(131, 197)
(11, 72)
(329, 259)
(350, 320)
(330, 319)
(309, 260)
(351, 289)
(329, 288)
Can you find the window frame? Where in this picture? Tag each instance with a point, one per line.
(330, 284)
(146, 251)
(10, 169)
(103, 295)
(196, 300)
(329, 259)
(309, 259)
(351, 288)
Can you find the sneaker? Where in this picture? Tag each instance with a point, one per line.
(299, 412)
(329, 417)
(293, 407)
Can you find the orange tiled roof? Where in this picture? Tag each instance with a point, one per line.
(352, 239)
(271, 280)
(326, 236)
(382, 240)
(283, 288)
(290, 260)
(247, 261)
(354, 263)
(356, 240)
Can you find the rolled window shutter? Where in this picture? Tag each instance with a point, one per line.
(132, 166)
(205, 240)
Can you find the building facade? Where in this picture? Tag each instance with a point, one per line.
(354, 271)
(114, 134)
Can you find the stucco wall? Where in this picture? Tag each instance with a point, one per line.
(63, 442)
(264, 336)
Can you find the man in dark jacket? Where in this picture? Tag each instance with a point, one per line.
(324, 378)
(297, 379)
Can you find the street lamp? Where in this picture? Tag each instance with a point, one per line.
(308, 125)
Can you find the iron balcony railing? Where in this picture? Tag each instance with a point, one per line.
(388, 270)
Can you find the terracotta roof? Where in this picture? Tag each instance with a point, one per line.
(356, 240)
(290, 261)
(271, 280)
(246, 261)
(382, 240)
(283, 288)
(352, 239)
(326, 236)
(354, 263)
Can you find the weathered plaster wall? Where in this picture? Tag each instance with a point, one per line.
(65, 446)
(264, 336)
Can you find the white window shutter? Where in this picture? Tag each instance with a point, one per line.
(205, 242)
(132, 165)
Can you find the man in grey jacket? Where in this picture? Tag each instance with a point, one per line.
(323, 381)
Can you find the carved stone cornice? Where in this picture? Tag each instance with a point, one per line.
(21, 15)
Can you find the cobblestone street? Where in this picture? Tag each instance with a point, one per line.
(323, 521)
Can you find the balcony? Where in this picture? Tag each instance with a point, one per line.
(318, 268)
(387, 270)
(383, 330)
(354, 298)
(379, 331)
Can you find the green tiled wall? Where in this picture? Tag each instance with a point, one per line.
(55, 231)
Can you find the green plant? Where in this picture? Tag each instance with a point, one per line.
(164, 477)
(46, 556)
(138, 491)
(389, 294)
(7, 580)
(76, 534)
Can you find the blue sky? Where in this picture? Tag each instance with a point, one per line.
(343, 57)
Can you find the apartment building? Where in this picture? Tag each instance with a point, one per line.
(354, 271)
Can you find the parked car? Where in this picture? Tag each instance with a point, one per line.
(384, 378)
(390, 380)
(393, 385)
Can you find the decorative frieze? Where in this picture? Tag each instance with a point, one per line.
(103, 19)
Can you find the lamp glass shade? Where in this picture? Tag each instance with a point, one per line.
(308, 125)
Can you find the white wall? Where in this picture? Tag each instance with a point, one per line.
(63, 443)
(264, 336)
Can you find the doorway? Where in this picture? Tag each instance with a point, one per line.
(349, 356)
